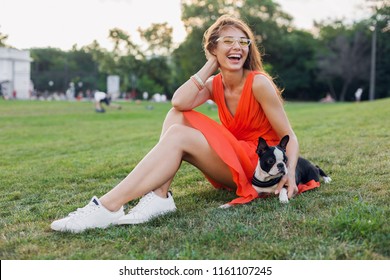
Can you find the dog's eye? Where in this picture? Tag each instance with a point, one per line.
(271, 161)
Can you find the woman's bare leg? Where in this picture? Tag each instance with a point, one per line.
(156, 170)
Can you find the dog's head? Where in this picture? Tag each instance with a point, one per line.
(273, 159)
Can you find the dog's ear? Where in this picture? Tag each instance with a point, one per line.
(283, 142)
(262, 146)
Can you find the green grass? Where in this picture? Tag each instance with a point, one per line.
(54, 156)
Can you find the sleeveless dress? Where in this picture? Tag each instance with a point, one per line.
(235, 139)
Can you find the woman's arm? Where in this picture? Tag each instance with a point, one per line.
(188, 95)
(265, 93)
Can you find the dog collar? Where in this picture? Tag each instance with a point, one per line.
(265, 184)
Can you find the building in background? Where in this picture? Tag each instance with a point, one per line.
(113, 86)
(15, 73)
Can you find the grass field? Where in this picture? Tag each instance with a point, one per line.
(56, 155)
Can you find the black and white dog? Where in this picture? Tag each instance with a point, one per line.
(272, 167)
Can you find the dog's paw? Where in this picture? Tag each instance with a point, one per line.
(283, 197)
(327, 180)
(225, 206)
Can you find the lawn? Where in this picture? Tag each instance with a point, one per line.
(56, 155)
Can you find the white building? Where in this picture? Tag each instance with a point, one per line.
(15, 73)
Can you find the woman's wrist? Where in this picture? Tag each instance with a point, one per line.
(208, 69)
(197, 81)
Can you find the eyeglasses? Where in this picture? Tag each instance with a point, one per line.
(229, 41)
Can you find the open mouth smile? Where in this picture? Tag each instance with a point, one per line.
(235, 57)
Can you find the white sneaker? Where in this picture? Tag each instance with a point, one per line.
(149, 206)
(93, 215)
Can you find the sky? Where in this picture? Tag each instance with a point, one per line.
(64, 23)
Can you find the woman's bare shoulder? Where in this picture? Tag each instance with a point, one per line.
(262, 84)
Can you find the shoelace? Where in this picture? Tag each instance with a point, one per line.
(85, 210)
(143, 202)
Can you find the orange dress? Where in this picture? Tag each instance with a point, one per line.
(235, 139)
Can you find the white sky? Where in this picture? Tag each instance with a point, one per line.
(63, 23)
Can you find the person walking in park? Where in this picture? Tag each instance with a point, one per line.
(249, 106)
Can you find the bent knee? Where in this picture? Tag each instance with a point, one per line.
(185, 137)
(174, 113)
(176, 132)
(173, 117)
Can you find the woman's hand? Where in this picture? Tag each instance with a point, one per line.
(212, 60)
(289, 181)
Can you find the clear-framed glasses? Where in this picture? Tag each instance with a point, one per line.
(230, 40)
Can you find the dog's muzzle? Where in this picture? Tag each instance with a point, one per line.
(281, 168)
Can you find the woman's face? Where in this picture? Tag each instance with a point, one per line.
(232, 49)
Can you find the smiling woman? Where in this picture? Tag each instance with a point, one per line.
(249, 107)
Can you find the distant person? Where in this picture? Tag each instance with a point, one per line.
(327, 99)
(102, 97)
(358, 94)
(250, 105)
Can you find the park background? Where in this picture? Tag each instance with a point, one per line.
(335, 55)
(56, 155)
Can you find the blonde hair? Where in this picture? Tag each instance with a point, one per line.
(253, 61)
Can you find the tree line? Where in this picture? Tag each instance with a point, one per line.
(335, 58)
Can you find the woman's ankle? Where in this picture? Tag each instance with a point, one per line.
(112, 207)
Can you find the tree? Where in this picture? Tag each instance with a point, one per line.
(82, 69)
(156, 71)
(295, 67)
(189, 57)
(201, 14)
(53, 69)
(123, 44)
(345, 58)
(104, 63)
(3, 38)
(145, 84)
(49, 64)
(126, 59)
(381, 18)
(159, 38)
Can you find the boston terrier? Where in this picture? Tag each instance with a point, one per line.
(272, 167)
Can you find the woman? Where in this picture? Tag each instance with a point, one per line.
(249, 106)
